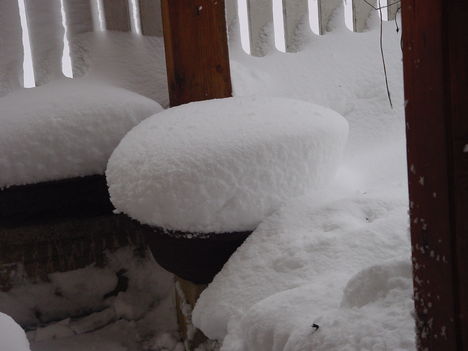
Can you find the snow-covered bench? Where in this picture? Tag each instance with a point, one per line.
(201, 176)
(55, 141)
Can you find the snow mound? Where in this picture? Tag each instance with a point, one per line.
(12, 336)
(315, 241)
(223, 165)
(305, 318)
(130, 61)
(67, 128)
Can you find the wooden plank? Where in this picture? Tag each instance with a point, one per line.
(150, 17)
(11, 51)
(79, 20)
(196, 49)
(117, 15)
(46, 35)
(436, 86)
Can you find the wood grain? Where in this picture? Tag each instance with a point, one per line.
(196, 48)
(436, 86)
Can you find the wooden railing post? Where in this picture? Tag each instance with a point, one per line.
(436, 90)
(196, 48)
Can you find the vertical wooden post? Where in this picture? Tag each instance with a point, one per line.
(196, 48)
(436, 90)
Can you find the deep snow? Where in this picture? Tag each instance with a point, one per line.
(67, 128)
(224, 165)
(340, 258)
(12, 336)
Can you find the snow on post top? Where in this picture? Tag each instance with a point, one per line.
(223, 165)
(64, 129)
(12, 337)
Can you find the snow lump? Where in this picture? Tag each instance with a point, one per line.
(223, 165)
(64, 129)
(12, 337)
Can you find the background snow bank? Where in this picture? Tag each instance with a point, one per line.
(67, 128)
(223, 165)
(12, 336)
(126, 60)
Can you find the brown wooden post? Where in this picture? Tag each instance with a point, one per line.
(436, 92)
(197, 56)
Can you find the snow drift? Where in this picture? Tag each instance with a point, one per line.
(223, 165)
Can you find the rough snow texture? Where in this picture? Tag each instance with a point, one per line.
(141, 316)
(339, 258)
(67, 128)
(127, 60)
(12, 337)
(223, 165)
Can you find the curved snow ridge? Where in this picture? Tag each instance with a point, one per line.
(304, 242)
(12, 336)
(65, 129)
(311, 317)
(223, 165)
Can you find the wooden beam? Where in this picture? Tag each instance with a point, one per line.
(117, 15)
(436, 90)
(196, 48)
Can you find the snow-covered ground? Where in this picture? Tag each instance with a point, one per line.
(330, 270)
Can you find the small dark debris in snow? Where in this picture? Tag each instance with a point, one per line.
(122, 284)
(315, 327)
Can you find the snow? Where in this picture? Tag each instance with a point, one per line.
(67, 128)
(77, 310)
(11, 53)
(338, 258)
(12, 337)
(223, 165)
(126, 60)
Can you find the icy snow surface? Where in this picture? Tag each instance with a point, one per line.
(223, 165)
(338, 258)
(12, 337)
(67, 128)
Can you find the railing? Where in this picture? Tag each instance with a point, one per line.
(49, 25)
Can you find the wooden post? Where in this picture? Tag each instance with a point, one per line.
(436, 91)
(196, 48)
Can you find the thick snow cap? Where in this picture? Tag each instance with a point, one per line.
(65, 129)
(223, 165)
(12, 337)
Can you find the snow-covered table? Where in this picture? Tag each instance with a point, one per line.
(55, 141)
(201, 176)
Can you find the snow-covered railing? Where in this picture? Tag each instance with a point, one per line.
(37, 37)
(257, 16)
